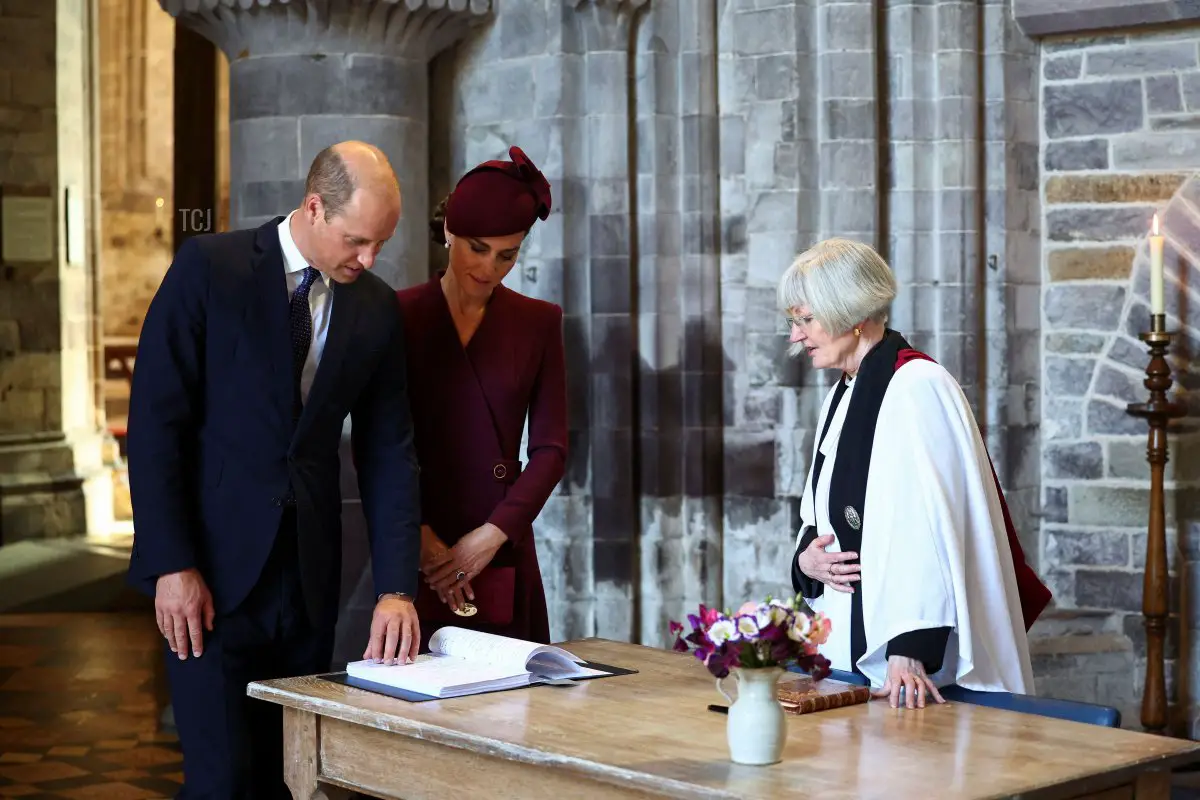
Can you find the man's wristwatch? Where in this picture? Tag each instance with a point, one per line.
(397, 595)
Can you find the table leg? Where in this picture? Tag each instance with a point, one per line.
(301, 758)
(1153, 786)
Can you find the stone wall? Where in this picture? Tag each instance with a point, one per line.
(682, 195)
(1121, 121)
(136, 43)
(52, 479)
(844, 119)
(29, 336)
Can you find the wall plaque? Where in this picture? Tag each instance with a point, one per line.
(26, 228)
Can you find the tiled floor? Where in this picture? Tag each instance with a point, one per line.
(80, 696)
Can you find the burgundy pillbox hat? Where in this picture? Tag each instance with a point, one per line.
(499, 198)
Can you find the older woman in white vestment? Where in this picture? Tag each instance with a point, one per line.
(906, 542)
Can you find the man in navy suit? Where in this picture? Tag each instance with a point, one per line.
(255, 349)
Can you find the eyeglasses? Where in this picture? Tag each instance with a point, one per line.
(799, 322)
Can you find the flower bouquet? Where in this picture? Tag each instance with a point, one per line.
(774, 633)
(756, 643)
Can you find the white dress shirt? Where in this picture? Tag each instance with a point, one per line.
(320, 302)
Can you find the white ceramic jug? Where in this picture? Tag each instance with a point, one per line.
(757, 729)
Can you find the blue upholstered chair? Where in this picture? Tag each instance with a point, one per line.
(1072, 710)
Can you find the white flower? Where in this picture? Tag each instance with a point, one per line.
(801, 626)
(761, 616)
(780, 613)
(747, 625)
(722, 631)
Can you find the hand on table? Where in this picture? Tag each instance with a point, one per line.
(909, 674)
(183, 607)
(395, 631)
(830, 569)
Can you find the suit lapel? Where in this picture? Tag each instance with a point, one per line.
(268, 319)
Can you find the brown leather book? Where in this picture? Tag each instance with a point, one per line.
(798, 694)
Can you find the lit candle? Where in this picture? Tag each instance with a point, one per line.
(1156, 269)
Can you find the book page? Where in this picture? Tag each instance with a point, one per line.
(549, 665)
(437, 676)
(488, 648)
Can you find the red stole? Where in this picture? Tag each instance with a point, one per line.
(1033, 594)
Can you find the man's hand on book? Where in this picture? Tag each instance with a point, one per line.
(470, 555)
(395, 631)
(183, 607)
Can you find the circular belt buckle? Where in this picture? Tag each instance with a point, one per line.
(500, 471)
(466, 610)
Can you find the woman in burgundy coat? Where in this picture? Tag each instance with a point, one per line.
(480, 358)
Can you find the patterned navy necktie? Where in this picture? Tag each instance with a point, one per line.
(301, 326)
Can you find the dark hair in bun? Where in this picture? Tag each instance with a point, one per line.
(437, 223)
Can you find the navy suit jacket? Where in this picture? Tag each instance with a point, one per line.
(215, 453)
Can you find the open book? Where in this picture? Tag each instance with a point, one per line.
(463, 662)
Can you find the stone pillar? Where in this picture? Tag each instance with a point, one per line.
(53, 481)
(935, 200)
(607, 325)
(773, 68)
(676, 247)
(304, 76)
(961, 130)
(1010, 272)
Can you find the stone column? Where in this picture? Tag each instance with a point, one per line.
(679, 317)
(53, 481)
(303, 76)
(605, 326)
(1011, 271)
(773, 72)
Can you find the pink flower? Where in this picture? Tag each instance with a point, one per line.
(749, 607)
(821, 626)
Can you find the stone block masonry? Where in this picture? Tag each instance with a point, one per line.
(1120, 118)
(30, 378)
(52, 480)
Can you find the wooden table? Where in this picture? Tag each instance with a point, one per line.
(651, 735)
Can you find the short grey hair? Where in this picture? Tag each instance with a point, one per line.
(842, 282)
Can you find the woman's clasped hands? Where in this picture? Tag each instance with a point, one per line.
(449, 570)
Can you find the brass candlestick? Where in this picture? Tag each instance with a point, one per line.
(1158, 410)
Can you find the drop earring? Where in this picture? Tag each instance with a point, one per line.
(857, 332)
(447, 245)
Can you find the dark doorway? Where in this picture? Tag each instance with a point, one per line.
(195, 135)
